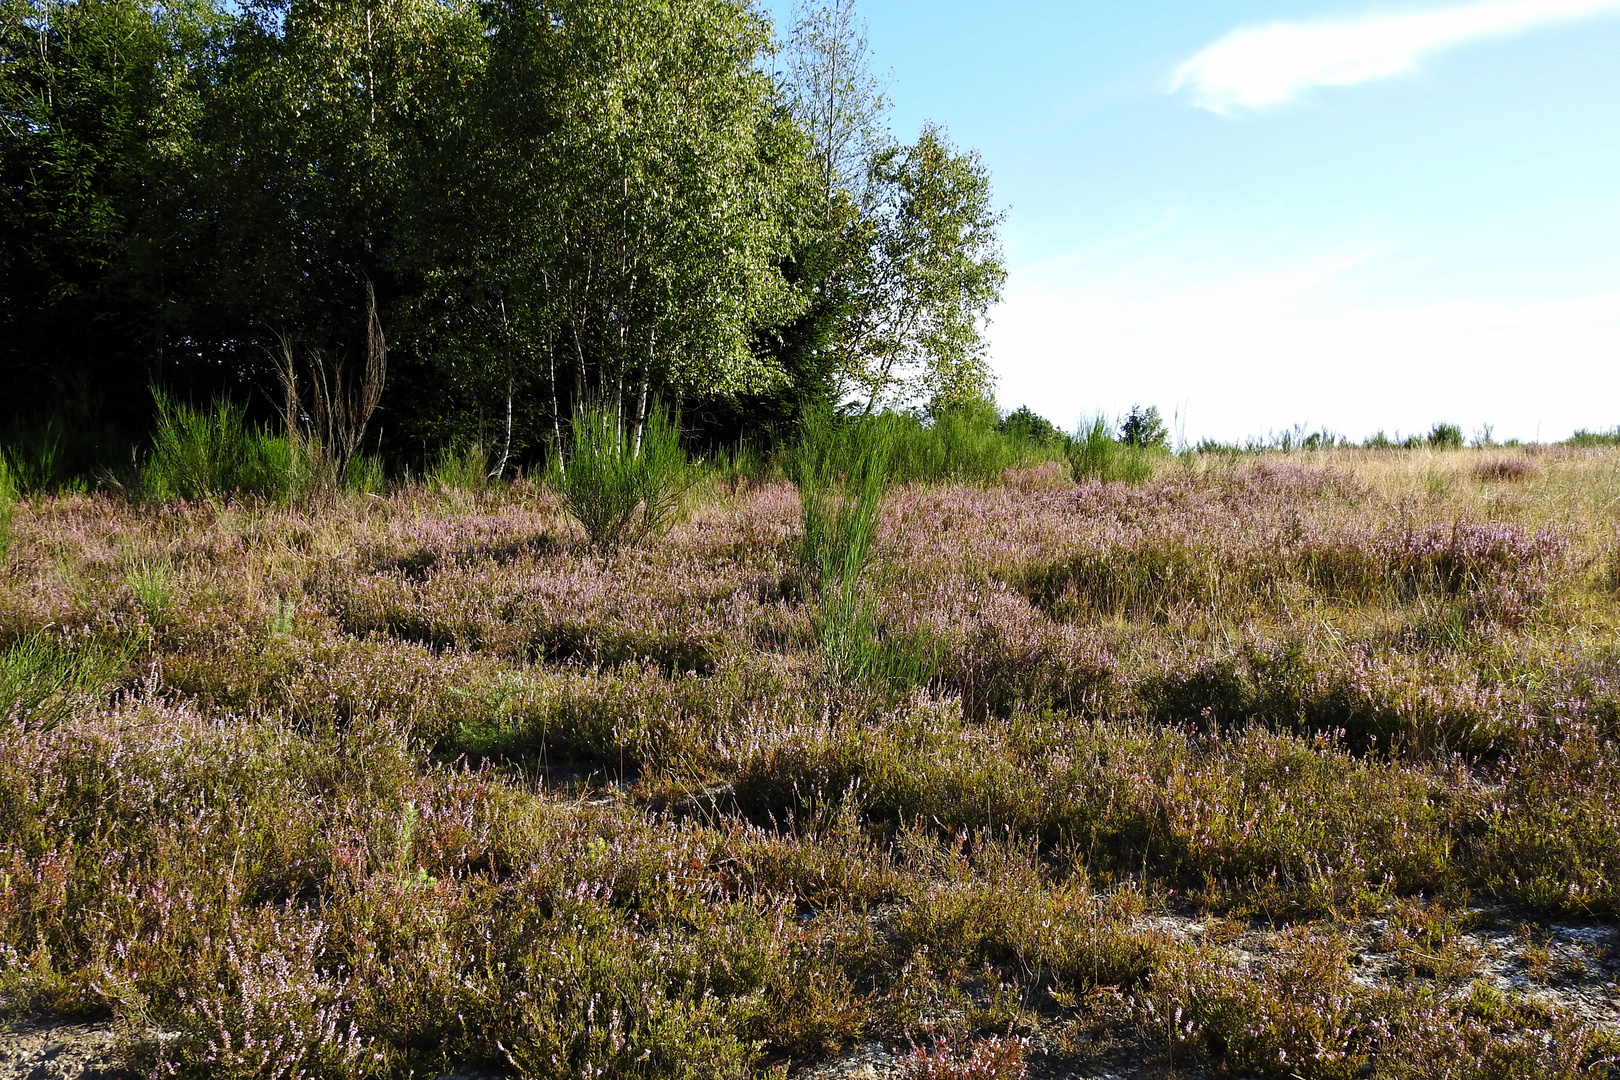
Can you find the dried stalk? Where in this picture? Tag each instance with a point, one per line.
(327, 426)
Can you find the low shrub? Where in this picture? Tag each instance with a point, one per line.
(200, 453)
(1506, 469)
(1094, 454)
(623, 490)
(1000, 1057)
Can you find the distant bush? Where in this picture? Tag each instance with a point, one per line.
(1025, 426)
(198, 453)
(967, 443)
(1445, 437)
(619, 490)
(1594, 438)
(1144, 429)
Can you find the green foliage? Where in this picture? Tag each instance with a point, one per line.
(1144, 429)
(100, 100)
(466, 471)
(623, 487)
(933, 269)
(153, 586)
(1594, 438)
(202, 453)
(365, 475)
(844, 471)
(1094, 454)
(42, 680)
(637, 208)
(1023, 425)
(1445, 437)
(740, 463)
(965, 443)
(8, 504)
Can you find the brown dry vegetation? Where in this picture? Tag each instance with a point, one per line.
(385, 786)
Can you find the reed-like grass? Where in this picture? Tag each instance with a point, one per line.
(8, 504)
(209, 452)
(623, 487)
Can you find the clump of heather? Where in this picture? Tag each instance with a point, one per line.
(392, 786)
(996, 1058)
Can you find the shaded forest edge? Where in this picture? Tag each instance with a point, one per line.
(527, 207)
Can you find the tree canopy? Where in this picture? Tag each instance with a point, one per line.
(540, 203)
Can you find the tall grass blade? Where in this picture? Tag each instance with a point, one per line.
(43, 681)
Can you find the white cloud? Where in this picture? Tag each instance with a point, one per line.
(1261, 67)
(1241, 349)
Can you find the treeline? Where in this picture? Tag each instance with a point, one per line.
(506, 209)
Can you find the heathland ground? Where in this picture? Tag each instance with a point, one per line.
(1276, 765)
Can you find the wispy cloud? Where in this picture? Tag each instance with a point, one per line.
(1269, 65)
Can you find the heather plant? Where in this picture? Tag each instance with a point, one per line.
(1000, 1057)
(1230, 769)
(1506, 469)
(623, 487)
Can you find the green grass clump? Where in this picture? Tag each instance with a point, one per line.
(42, 681)
(1095, 454)
(623, 490)
(452, 471)
(8, 504)
(201, 453)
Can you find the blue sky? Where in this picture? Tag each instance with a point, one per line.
(1261, 214)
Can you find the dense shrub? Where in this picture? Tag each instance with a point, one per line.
(1094, 454)
(197, 453)
(623, 488)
